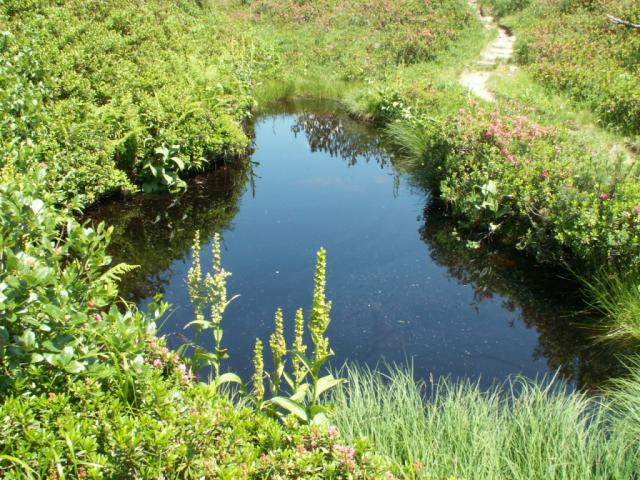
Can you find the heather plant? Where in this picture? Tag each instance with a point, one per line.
(506, 176)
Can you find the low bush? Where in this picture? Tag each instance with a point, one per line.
(571, 46)
(353, 40)
(507, 177)
(87, 390)
(104, 88)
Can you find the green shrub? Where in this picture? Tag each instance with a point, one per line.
(534, 187)
(100, 94)
(572, 47)
(88, 391)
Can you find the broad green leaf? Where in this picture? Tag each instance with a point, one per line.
(301, 392)
(28, 339)
(292, 407)
(228, 378)
(74, 367)
(324, 384)
(37, 205)
(179, 162)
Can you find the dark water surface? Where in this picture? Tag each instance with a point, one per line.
(403, 288)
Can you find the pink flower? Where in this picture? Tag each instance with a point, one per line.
(97, 317)
(637, 209)
(157, 363)
(510, 158)
(626, 214)
(333, 431)
(182, 368)
(348, 452)
(604, 196)
(90, 304)
(389, 476)
(545, 174)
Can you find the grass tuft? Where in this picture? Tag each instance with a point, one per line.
(520, 430)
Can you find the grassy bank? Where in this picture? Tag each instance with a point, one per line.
(521, 430)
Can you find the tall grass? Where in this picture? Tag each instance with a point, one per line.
(320, 87)
(617, 297)
(521, 430)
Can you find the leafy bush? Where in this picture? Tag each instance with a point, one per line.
(532, 186)
(87, 389)
(572, 46)
(99, 95)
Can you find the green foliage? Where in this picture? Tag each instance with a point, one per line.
(318, 46)
(185, 433)
(521, 430)
(306, 384)
(162, 173)
(572, 47)
(89, 391)
(536, 187)
(211, 293)
(502, 8)
(298, 392)
(58, 298)
(99, 95)
(616, 296)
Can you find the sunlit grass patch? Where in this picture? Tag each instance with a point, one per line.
(521, 430)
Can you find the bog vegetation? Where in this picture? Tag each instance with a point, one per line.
(101, 98)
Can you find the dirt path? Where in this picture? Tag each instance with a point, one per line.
(499, 49)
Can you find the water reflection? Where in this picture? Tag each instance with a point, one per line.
(544, 298)
(152, 231)
(453, 310)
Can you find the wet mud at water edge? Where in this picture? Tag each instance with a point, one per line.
(404, 287)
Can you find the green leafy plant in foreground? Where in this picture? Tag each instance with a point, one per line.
(306, 383)
(297, 391)
(162, 172)
(87, 389)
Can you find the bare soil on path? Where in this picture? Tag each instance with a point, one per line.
(501, 48)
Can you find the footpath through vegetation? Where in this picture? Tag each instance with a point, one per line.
(104, 98)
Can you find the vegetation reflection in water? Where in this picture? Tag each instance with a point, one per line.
(466, 313)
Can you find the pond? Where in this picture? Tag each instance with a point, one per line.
(404, 289)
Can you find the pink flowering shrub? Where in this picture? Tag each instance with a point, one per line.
(398, 31)
(533, 186)
(572, 46)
